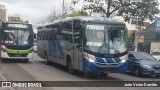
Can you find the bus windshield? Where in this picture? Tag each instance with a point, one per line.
(17, 37)
(106, 39)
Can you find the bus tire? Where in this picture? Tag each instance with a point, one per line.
(46, 59)
(70, 67)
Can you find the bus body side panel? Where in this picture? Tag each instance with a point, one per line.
(56, 52)
(52, 50)
(41, 48)
(67, 51)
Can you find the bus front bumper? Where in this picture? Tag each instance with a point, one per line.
(15, 56)
(89, 67)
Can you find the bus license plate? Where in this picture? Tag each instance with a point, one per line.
(18, 55)
(107, 72)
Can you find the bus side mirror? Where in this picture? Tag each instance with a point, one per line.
(131, 58)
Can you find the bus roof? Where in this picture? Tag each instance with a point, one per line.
(88, 19)
(95, 19)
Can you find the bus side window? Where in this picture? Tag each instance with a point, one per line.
(50, 35)
(38, 36)
(43, 35)
(59, 35)
(46, 35)
(67, 31)
(53, 33)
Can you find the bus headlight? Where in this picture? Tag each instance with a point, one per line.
(31, 50)
(3, 48)
(90, 57)
(124, 58)
(91, 60)
(122, 61)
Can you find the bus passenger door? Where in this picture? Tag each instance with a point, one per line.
(77, 46)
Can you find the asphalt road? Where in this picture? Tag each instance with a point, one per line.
(37, 70)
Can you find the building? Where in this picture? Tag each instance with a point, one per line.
(17, 18)
(147, 36)
(3, 13)
(14, 18)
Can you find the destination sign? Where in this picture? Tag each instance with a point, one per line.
(18, 26)
(95, 27)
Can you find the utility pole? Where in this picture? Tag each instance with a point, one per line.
(63, 10)
(54, 13)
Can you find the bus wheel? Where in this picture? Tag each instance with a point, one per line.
(70, 67)
(46, 59)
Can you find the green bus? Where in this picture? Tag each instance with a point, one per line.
(16, 41)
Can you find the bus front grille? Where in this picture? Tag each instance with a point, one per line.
(18, 47)
(17, 55)
(108, 64)
(108, 69)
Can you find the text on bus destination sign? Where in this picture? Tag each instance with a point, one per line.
(95, 27)
(18, 25)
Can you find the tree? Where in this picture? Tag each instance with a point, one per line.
(139, 11)
(104, 7)
(69, 11)
(129, 9)
(77, 13)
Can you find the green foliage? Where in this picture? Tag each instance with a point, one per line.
(77, 13)
(104, 7)
(140, 11)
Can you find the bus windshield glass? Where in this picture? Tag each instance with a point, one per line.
(106, 39)
(17, 37)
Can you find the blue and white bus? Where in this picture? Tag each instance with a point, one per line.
(88, 44)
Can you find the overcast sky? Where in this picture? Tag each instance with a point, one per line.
(33, 10)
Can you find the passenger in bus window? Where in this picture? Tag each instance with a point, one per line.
(15, 41)
(118, 44)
